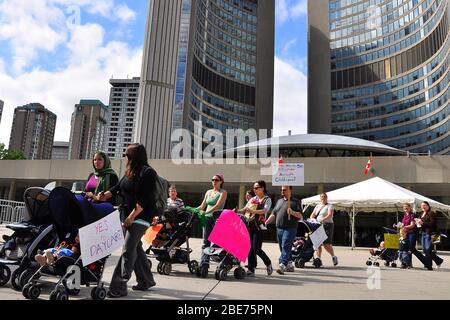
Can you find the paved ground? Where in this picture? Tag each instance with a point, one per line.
(349, 280)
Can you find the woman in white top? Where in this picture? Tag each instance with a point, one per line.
(324, 212)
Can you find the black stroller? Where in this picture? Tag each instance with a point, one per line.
(303, 249)
(67, 217)
(30, 235)
(167, 246)
(386, 252)
(225, 262)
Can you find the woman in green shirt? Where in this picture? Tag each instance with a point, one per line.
(214, 202)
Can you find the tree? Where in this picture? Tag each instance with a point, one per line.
(6, 154)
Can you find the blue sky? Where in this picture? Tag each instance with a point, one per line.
(57, 52)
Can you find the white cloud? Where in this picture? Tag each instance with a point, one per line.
(124, 13)
(86, 76)
(290, 9)
(290, 102)
(42, 26)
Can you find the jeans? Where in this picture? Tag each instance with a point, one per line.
(412, 239)
(404, 258)
(430, 255)
(286, 239)
(256, 238)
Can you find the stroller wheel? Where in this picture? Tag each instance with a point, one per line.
(25, 290)
(217, 274)
(166, 268)
(317, 263)
(193, 266)
(202, 272)
(223, 274)
(62, 295)
(369, 263)
(159, 267)
(5, 275)
(386, 264)
(34, 292)
(300, 263)
(376, 264)
(239, 273)
(98, 293)
(26, 276)
(53, 295)
(393, 265)
(15, 279)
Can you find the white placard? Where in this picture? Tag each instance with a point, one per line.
(101, 238)
(318, 237)
(288, 174)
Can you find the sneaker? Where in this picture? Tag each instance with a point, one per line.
(281, 269)
(250, 273)
(290, 267)
(335, 260)
(269, 269)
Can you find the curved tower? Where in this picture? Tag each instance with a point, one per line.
(389, 72)
(206, 60)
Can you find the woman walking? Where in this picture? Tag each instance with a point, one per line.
(138, 187)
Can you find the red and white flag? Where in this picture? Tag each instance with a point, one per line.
(368, 165)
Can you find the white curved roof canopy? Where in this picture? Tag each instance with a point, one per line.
(321, 141)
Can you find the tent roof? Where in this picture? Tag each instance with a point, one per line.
(375, 194)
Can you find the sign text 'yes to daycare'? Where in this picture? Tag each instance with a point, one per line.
(101, 238)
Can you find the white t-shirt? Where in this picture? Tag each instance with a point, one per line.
(322, 211)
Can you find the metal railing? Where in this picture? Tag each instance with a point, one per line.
(11, 211)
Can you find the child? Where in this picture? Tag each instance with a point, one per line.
(377, 251)
(253, 203)
(64, 249)
(404, 253)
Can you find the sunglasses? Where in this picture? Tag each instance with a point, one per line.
(215, 180)
(256, 188)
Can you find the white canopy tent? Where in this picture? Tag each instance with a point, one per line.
(374, 195)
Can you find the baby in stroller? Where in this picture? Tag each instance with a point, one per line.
(175, 229)
(64, 249)
(63, 262)
(385, 252)
(303, 249)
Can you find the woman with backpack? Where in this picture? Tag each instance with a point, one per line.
(138, 187)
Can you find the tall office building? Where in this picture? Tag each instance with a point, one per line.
(379, 70)
(33, 131)
(205, 60)
(60, 150)
(1, 110)
(122, 117)
(88, 132)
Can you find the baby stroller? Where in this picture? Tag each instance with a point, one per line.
(29, 236)
(388, 253)
(225, 261)
(67, 217)
(166, 247)
(303, 249)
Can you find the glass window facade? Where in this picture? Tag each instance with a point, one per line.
(390, 72)
(223, 83)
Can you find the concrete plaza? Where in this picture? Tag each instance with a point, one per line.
(348, 281)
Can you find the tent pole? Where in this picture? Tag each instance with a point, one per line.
(353, 227)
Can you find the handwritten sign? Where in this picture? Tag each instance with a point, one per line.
(101, 238)
(318, 237)
(288, 174)
(231, 233)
